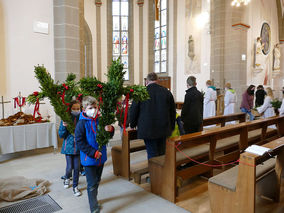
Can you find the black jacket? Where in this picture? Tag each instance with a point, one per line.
(155, 118)
(192, 110)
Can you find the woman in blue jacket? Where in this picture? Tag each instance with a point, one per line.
(70, 149)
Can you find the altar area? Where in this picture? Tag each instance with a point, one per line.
(27, 137)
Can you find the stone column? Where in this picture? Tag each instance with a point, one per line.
(66, 38)
(83, 72)
(98, 4)
(151, 33)
(218, 13)
(140, 4)
(228, 44)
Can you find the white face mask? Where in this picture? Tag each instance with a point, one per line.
(92, 113)
(75, 113)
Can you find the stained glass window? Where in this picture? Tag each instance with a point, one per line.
(120, 12)
(161, 38)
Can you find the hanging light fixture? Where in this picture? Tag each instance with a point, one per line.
(238, 3)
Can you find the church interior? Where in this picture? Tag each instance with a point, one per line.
(55, 51)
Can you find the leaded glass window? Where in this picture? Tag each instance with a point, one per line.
(161, 39)
(120, 15)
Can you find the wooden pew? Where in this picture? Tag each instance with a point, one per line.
(121, 154)
(222, 119)
(235, 189)
(202, 146)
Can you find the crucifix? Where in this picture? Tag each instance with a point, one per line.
(3, 102)
(19, 101)
(107, 94)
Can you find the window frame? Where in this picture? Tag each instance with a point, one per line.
(160, 39)
(120, 31)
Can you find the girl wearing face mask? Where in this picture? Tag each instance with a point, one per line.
(281, 110)
(247, 101)
(71, 151)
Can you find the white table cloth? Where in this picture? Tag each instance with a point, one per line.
(27, 137)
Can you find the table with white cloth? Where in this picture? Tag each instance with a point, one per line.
(27, 137)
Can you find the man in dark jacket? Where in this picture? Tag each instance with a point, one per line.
(192, 110)
(155, 118)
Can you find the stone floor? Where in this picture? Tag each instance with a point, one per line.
(115, 194)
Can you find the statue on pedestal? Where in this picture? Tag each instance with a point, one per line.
(258, 55)
(190, 42)
(276, 58)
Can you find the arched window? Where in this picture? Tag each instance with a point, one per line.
(120, 33)
(161, 39)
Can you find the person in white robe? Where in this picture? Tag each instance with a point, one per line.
(281, 109)
(266, 108)
(230, 100)
(210, 96)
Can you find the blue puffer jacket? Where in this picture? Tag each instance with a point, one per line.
(69, 146)
(85, 136)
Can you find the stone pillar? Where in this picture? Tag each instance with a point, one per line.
(66, 38)
(228, 44)
(218, 13)
(140, 4)
(151, 33)
(83, 72)
(98, 4)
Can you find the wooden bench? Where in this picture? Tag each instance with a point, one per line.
(130, 144)
(235, 189)
(203, 147)
(121, 156)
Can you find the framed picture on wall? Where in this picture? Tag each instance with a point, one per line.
(265, 38)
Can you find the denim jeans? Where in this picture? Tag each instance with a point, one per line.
(155, 147)
(93, 175)
(251, 117)
(73, 162)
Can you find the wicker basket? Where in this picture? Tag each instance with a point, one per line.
(255, 113)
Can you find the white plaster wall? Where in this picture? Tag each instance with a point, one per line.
(24, 49)
(203, 47)
(90, 17)
(258, 12)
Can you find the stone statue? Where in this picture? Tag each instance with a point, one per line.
(276, 56)
(190, 42)
(258, 55)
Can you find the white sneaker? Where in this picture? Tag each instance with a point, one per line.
(76, 191)
(66, 183)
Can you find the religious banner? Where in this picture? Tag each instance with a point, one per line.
(107, 93)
